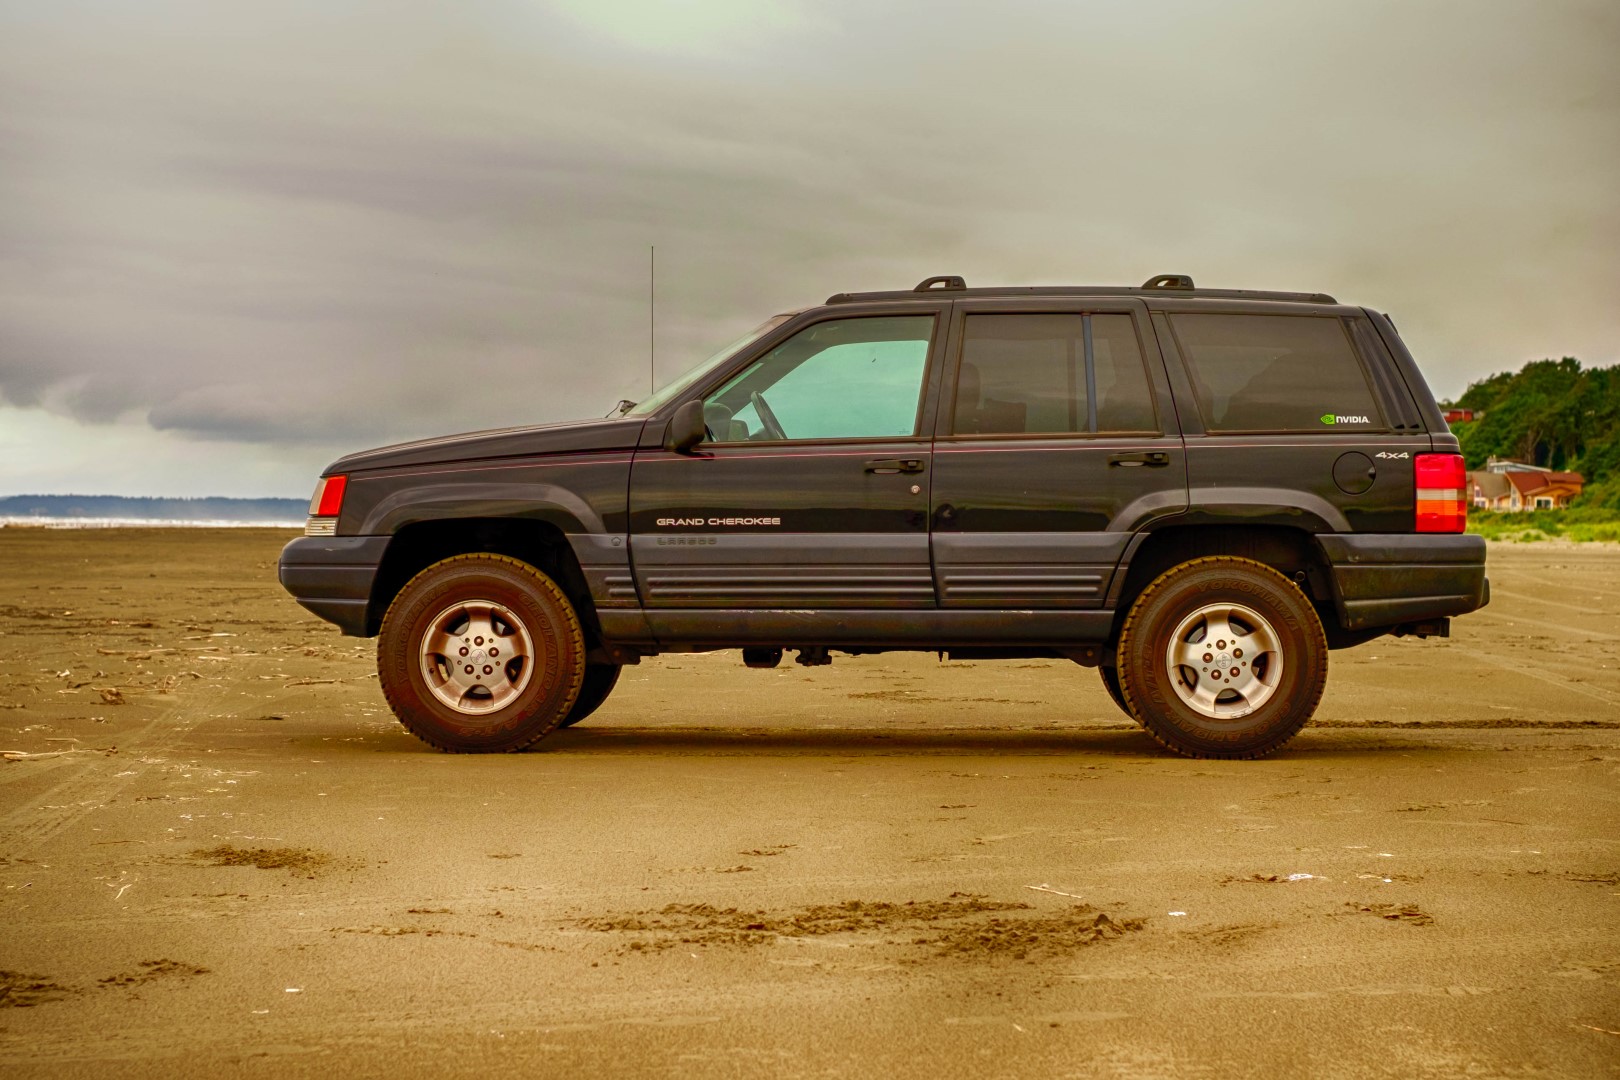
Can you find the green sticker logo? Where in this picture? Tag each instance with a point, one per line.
(1330, 419)
(1327, 418)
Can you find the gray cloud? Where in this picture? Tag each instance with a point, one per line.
(324, 225)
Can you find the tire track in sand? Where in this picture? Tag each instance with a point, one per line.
(99, 779)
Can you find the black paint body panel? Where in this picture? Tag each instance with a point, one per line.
(483, 446)
(1380, 580)
(847, 537)
(580, 494)
(332, 576)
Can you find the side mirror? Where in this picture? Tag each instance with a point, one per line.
(686, 428)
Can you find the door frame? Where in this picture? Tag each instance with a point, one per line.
(1146, 339)
(1113, 544)
(764, 561)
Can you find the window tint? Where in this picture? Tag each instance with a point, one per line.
(1031, 374)
(843, 379)
(1275, 373)
(1022, 373)
(1124, 399)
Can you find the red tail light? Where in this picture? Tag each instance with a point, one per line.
(1442, 493)
(328, 500)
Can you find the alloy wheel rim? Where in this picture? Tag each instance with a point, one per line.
(477, 656)
(1224, 661)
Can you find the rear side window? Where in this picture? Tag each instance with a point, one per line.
(1276, 373)
(1036, 374)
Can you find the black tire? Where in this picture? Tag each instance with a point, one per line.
(599, 682)
(528, 673)
(1225, 701)
(1110, 680)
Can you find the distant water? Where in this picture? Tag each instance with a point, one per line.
(126, 511)
(42, 522)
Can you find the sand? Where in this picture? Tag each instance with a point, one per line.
(220, 855)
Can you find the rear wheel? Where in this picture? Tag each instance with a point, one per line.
(599, 682)
(1222, 658)
(481, 653)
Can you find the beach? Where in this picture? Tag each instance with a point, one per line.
(220, 855)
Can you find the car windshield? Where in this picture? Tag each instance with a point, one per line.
(675, 389)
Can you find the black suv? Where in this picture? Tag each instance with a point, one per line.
(1199, 492)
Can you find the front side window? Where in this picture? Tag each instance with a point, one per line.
(1275, 373)
(842, 379)
(1040, 374)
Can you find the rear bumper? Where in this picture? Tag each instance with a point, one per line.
(332, 577)
(1386, 579)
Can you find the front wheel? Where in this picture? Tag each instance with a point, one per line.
(1222, 658)
(480, 654)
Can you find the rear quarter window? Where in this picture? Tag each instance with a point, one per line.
(1294, 373)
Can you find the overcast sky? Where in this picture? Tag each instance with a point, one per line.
(238, 239)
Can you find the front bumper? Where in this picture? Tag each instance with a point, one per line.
(332, 577)
(1386, 579)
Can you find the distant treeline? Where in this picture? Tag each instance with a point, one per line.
(150, 509)
(1553, 413)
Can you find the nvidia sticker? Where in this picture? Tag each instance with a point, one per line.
(1330, 419)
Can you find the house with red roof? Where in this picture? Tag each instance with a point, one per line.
(1542, 490)
(1514, 486)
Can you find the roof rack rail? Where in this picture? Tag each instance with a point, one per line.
(1159, 285)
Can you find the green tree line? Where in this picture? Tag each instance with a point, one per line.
(1550, 412)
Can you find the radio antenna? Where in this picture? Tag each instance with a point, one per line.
(652, 319)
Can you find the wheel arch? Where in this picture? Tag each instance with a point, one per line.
(540, 543)
(1292, 552)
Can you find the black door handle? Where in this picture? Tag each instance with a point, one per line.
(895, 465)
(1153, 459)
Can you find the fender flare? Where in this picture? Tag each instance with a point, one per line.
(418, 503)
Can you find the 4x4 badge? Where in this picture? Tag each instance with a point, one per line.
(1330, 419)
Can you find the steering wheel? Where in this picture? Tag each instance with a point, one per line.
(773, 426)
